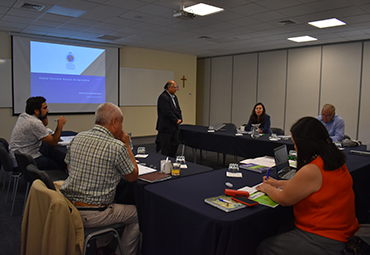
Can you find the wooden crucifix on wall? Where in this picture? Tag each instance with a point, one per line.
(183, 81)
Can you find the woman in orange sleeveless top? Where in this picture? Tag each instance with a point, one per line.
(320, 192)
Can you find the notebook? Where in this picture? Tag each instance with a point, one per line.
(154, 177)
(283, 170)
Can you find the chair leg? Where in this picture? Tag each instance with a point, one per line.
(183, 150)
(7, 193)
(5, 178)
(97, 233)
(194, 155)
(26, 196)
(116, 235)
(15, 189)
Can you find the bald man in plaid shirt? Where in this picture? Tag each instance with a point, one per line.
(96, 161)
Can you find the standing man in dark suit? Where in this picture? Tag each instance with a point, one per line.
(169, 119)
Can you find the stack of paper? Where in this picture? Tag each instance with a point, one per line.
(266, 161)
(65, 140)
(263, 161)
(145, 170)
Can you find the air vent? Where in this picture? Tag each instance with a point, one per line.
(35, 7)
(109, 37)
(287, 22)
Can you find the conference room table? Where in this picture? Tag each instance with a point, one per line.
(178, 221)
(225, 141)
(131, 192)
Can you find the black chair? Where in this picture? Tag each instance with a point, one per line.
(4, 143)
(277, 131)
(14, 173)
(35, 173)
(346, 137)
(24, 160)
(91, 234)
(229, 127)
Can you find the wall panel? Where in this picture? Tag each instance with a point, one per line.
(364, 123)
(272, 84)
(203, 89)
(340, 84)
(303, 84)
(292, 83)
(244, 87)
(221, 79)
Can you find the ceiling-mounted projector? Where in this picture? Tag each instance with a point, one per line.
(183, 15)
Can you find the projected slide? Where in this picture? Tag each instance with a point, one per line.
(67, 74)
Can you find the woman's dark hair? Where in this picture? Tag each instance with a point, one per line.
(34, 103)
(312, 139)
(254, 118)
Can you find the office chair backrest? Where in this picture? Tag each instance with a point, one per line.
(230, 127)
(35, 173)
(4, 143)
(23, 161)
(6, 160)
(277, 131)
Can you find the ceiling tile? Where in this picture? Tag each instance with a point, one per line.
(244, 26)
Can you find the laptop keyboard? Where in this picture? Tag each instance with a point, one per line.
(289, 175)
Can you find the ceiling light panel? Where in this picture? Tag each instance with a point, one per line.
(305, 38)
(64, 11)
(327, 23)
(202, 9)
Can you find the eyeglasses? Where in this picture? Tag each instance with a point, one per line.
(327, 116)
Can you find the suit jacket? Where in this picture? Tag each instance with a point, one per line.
(51, 223)
(168, 114)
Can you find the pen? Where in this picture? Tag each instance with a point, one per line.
(57, 119)
(268, 172)
(225, 201)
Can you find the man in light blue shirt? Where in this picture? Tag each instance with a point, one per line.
(333, 122)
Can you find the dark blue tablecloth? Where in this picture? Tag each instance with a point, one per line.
(227, 142)
(178, 221)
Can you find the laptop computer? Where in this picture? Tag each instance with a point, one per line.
(283, 170)
(218, 126)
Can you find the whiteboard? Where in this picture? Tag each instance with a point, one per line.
(141, 87)
(6, 83)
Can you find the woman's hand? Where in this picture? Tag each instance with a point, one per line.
(262, 187)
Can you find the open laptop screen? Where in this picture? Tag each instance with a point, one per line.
(281, 157)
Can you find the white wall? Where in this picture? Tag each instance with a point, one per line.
(271, 85)
(221, 87)
(244, 87)
(291, 83)
(364, 119)
(303, 84)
